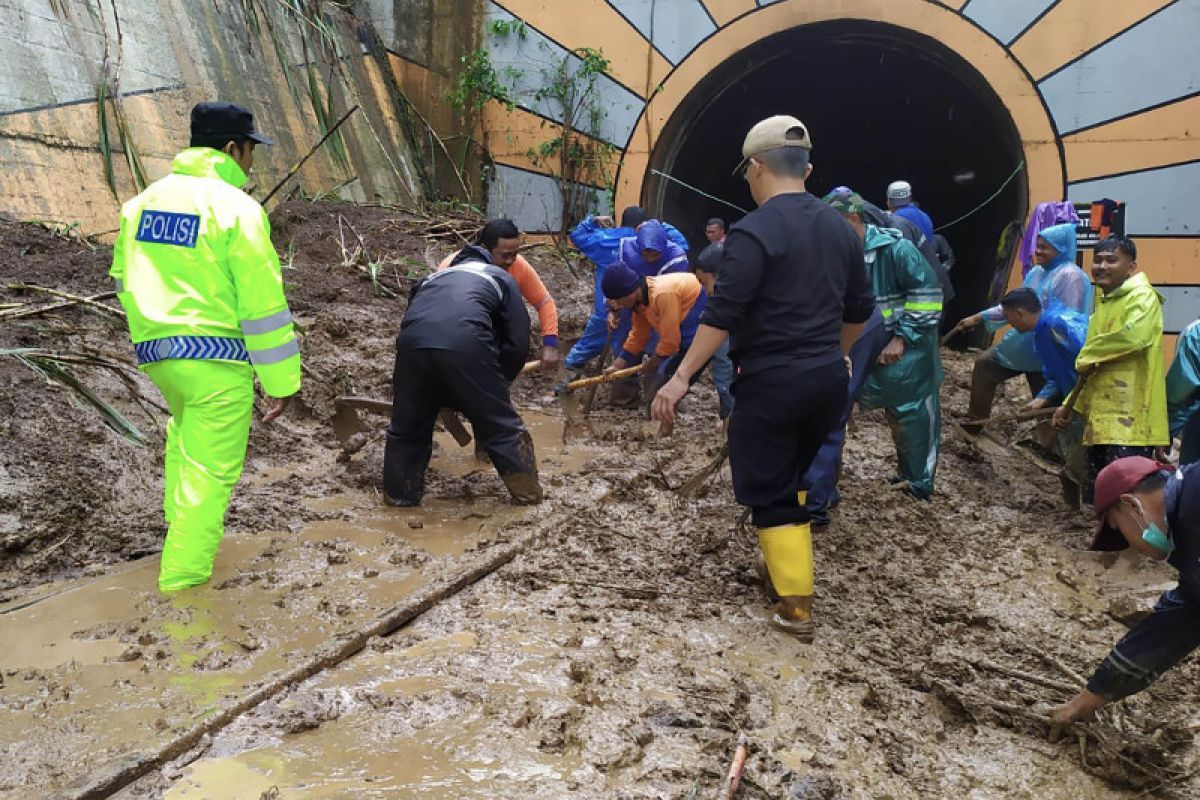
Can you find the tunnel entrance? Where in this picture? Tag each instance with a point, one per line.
(882, 103)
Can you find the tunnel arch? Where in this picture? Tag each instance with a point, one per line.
(921, 94)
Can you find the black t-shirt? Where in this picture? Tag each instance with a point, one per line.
(791, 274)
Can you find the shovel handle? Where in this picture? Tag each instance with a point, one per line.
(583, 383)
(530, 366)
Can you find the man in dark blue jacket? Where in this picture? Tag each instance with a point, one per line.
(464, 338)
(1155, 509)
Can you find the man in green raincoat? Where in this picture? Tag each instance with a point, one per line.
(905, 379)
(1183, 393)
(200, 281)
(1122, 394)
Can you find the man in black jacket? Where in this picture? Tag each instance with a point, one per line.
(792, 296)
(463, 339)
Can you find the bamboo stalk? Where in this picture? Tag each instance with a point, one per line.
(73, 298)
(309, 155)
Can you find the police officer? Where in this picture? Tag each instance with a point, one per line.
(200, 281)
(463, 339)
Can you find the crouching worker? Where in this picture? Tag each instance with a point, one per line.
(1155, 509)
(463, 339)
(200, 281)
(669, 305)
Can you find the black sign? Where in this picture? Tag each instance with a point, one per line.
(1097, 220)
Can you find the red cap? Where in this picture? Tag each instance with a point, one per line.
(1118, 478)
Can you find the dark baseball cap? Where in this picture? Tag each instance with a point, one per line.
(225, 119)
(1120, 477)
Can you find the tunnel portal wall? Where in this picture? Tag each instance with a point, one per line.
(1103, 97)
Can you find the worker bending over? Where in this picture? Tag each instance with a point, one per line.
(599, 239)
(669, 305)
(463, 339)
(1154, 509)
(1057, 281)
(904, 379)
(1122, 394)
(1058, 336)
(201, 285)
(502, 239)
(792, 294)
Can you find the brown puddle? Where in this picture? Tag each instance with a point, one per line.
(108, 666)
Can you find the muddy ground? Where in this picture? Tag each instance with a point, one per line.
(622, 655)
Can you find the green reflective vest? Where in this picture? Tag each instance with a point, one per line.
(909, 296)
(198, 276)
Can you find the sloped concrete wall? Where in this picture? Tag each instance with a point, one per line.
(170, 54)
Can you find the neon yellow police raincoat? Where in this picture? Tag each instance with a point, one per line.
(201, 283)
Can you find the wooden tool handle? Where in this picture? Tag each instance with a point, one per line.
(583, 383)
(530, 366)
(1016, 416)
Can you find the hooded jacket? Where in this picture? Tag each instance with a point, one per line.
(1060, 281)
(910, 299)
(1057, 339)
(1124, 401)
(198, 276)
(652, 235)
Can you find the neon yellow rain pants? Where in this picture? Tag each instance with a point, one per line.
(211, 403)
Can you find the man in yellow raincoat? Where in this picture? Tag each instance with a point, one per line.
(1122, 393)
(200, 280)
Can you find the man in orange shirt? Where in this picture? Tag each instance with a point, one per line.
(502, 239)
(669, 305)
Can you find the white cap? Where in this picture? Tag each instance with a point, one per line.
(900, 191)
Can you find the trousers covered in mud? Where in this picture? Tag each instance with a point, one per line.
(211, 403)
(780, 418)
(425, 381)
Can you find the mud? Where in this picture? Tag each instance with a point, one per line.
(619, 658)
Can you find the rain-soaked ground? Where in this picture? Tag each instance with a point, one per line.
(619, 654)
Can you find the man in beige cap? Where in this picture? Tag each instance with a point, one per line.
(792, 296)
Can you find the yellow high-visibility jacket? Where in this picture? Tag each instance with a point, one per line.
(1124, 398)
(198, 276)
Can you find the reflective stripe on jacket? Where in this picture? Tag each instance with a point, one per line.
(194, 265)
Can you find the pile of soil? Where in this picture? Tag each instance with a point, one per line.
(76, 496)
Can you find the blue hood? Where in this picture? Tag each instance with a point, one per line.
(652, 236)
(1061, 238)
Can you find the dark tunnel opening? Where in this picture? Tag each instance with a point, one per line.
(882, 103)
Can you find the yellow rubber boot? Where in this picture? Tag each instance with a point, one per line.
(787, 549)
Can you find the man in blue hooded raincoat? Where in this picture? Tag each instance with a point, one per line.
(600, 241)
(1057, 281)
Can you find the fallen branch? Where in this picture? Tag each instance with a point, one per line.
(736, 768)
(315, 148)
(691, 487)
(1029, 677)
(73, 299)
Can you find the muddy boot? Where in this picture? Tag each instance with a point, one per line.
(760, 567)
(625, 393)
(793, 616)
(524, 488)
(1071, 493)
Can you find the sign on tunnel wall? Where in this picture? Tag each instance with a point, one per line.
(1103, 103)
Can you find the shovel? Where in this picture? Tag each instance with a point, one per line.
(350, 430)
